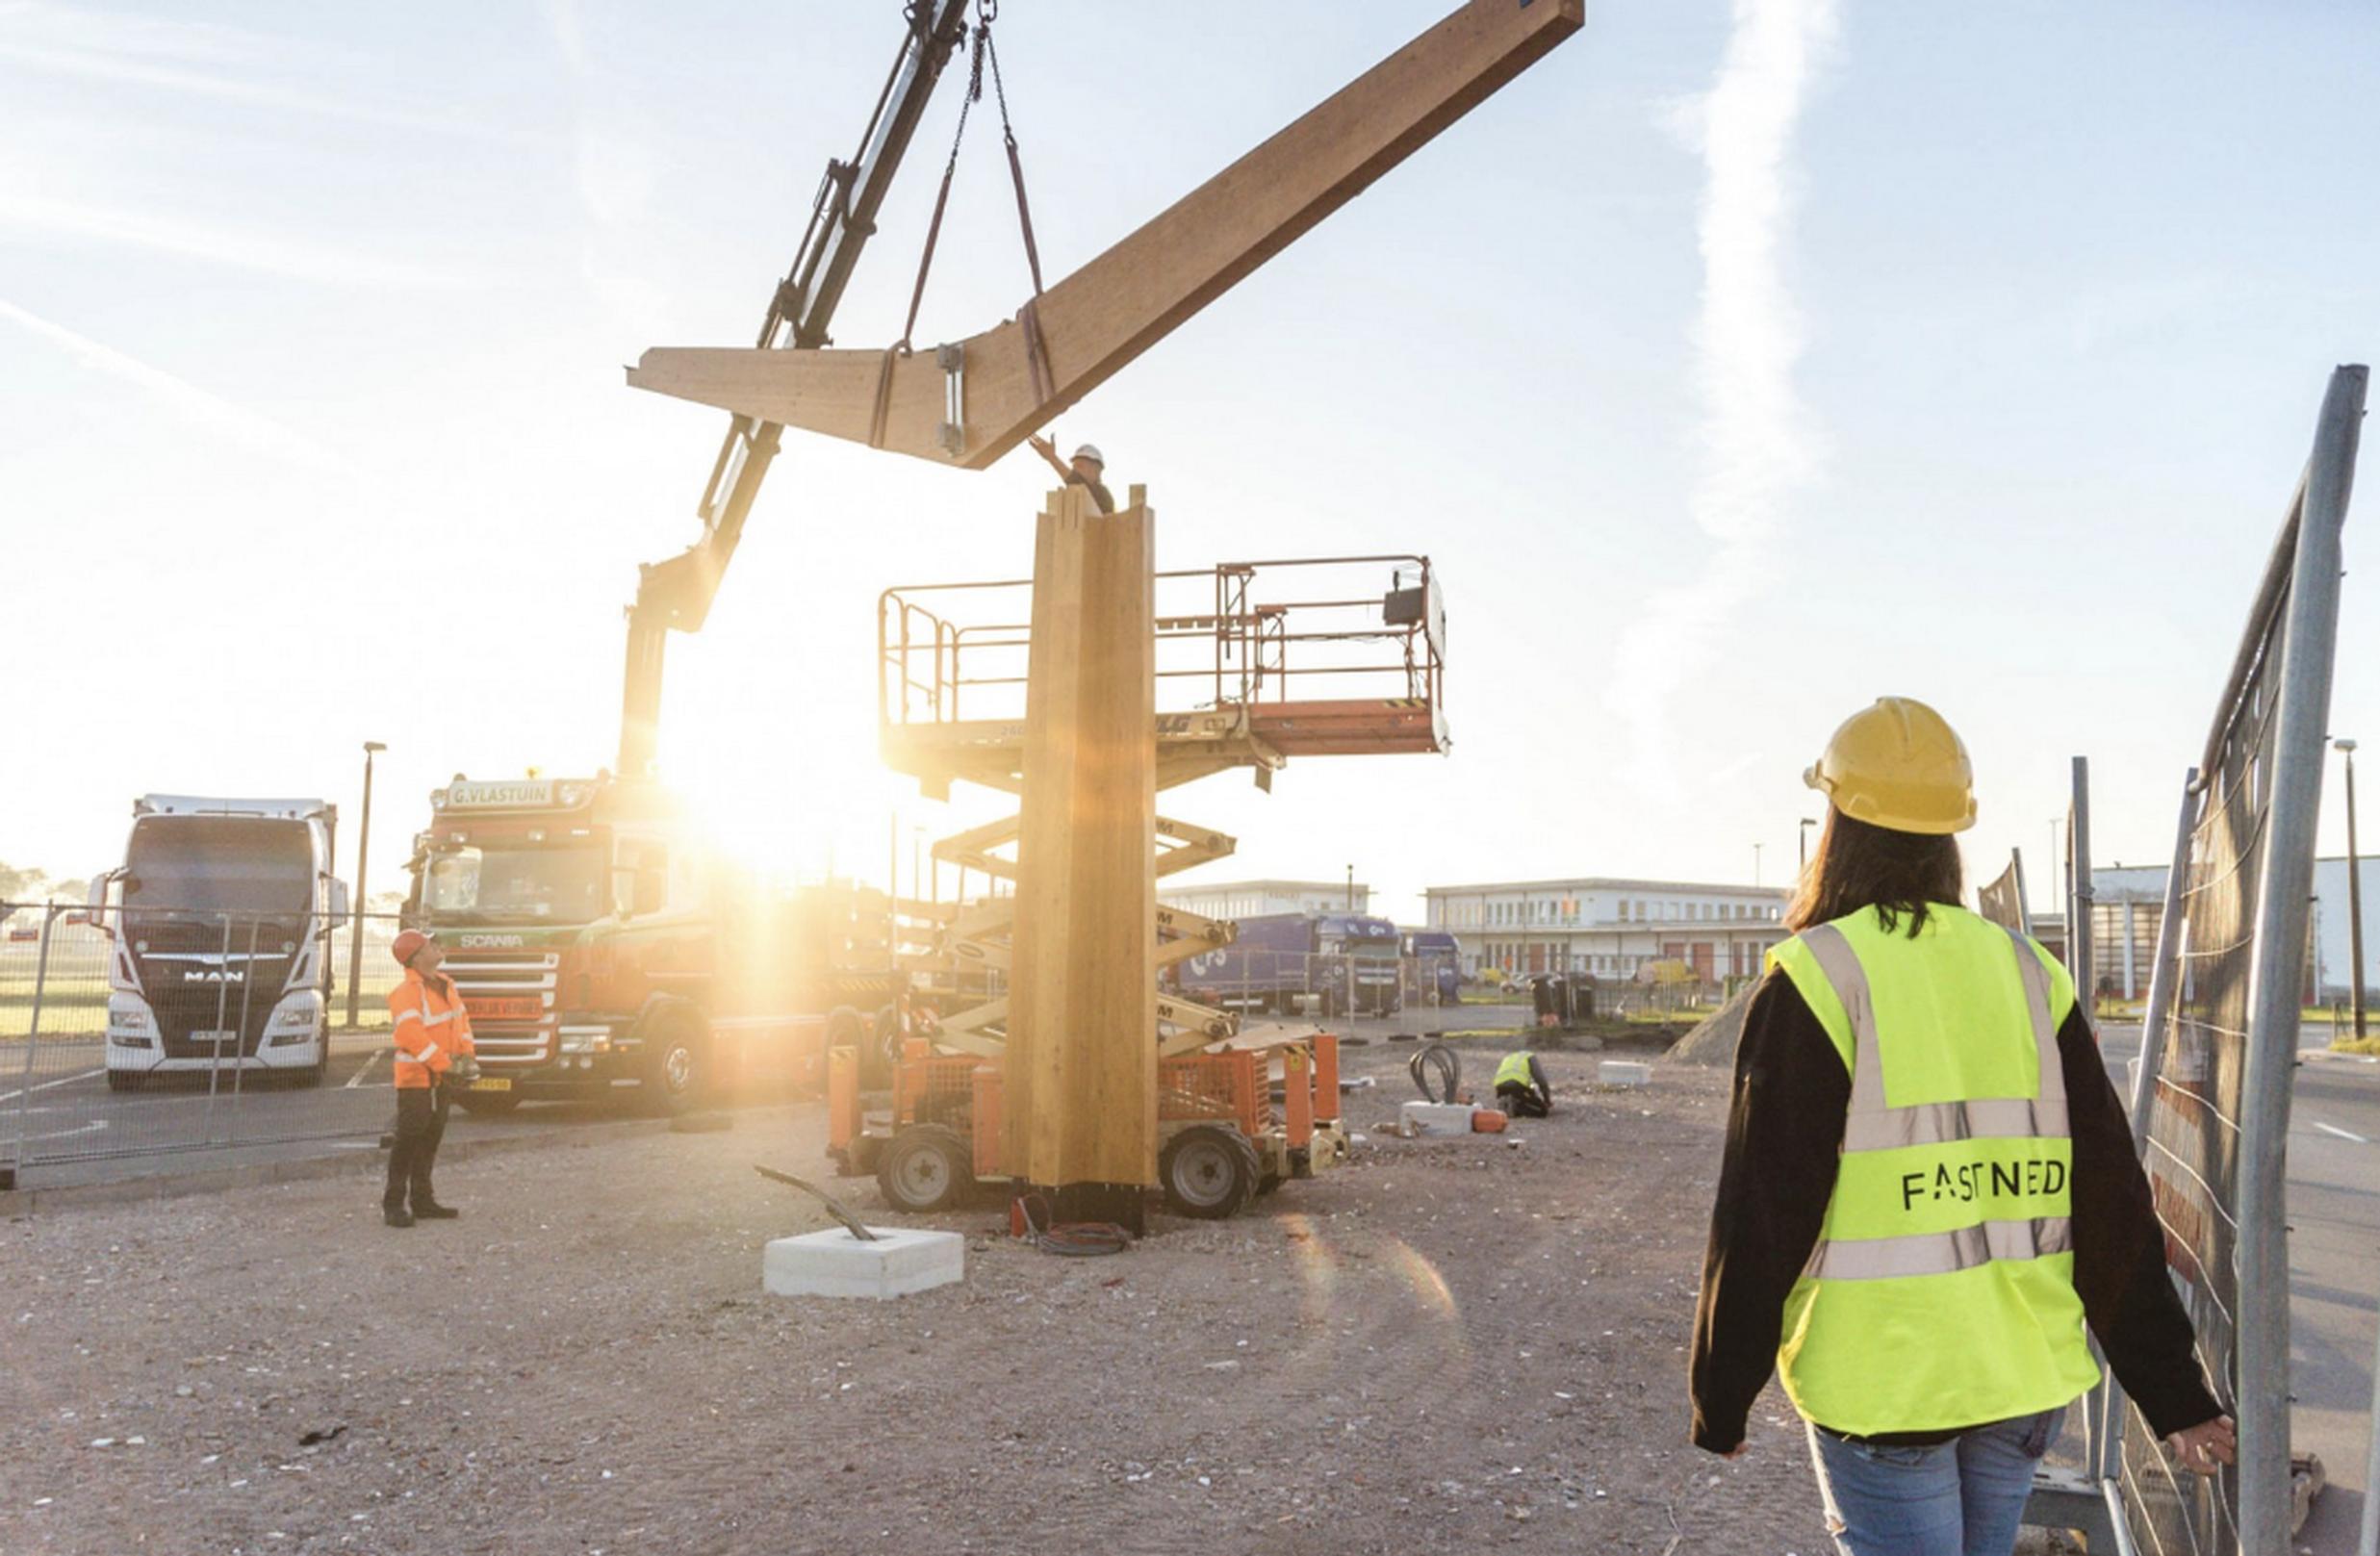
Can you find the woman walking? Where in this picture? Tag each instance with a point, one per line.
(1929, 1189)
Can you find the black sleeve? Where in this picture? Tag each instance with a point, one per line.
(2119, 1250)
(1784, 1135)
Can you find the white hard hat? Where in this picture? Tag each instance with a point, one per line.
(1090, 451)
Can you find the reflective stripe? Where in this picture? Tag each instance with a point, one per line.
(2036, 982)
(428, 1052)
(1835, 959)
(1941, 1123)
(403, 1016)
(442, 1018)
(1941, 1253)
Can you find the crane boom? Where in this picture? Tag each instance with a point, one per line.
(675, 594)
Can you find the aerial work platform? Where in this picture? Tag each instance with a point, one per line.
(1257, 662)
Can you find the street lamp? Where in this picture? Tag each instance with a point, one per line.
(2355, 895)
(355, 909)
(1350, 888)
(1755, 863)
(1807, 822)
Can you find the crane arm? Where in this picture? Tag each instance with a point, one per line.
(676, 594)
(970, 403)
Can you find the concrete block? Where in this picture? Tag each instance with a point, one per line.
(835, 1263)
(1623, 1072)
(1437, 1117)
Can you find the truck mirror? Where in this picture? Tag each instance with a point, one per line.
(338, 901)
(624, 889)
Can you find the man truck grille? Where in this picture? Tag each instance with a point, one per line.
(198, 989)
(510, 996)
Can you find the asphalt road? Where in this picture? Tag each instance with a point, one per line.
(2334, 1277)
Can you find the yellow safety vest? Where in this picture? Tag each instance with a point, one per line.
(1941, 1292)
(1515, 1067)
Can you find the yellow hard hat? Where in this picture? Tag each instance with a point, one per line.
(1897, 765)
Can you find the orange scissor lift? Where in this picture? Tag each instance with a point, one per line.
(1257, 662)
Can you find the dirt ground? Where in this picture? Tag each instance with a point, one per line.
(1442, 1344)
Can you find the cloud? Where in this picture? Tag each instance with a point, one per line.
(1756, 446)
(204, 406)
(297, 259)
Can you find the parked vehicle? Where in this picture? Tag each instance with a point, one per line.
(1434, 965)
(600, 945)
(222, 915)
(1334, 963)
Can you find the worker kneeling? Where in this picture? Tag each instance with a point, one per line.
(1522, 1089)
(433, 1052)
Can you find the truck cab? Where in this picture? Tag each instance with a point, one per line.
(221, 917)
(601, 946)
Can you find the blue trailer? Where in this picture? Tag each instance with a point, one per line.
(1434, 959)
(1345, 962)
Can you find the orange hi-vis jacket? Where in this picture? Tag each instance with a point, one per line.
(432, 1027)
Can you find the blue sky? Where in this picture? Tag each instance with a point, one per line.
(1974, 358)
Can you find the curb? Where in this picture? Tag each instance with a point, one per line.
(20, 1203)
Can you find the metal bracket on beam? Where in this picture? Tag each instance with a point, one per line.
(952, 358)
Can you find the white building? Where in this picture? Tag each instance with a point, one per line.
(1609, 927)
(2127, 904)
(1255, 899)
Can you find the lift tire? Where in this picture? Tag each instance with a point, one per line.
(847, 1028)
(1269, 1183)
(926, 1167)
(1208, 1172)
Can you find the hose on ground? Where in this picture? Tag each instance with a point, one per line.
(1436, 1059)
(1071, 1239)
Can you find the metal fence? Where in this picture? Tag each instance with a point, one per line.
(2003, 900)
(2212, 1097)
(153, 1029)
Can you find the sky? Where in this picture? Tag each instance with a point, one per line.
(1735, 365)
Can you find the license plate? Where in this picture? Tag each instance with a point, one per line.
(504, 1010)
(214, 1037)
(491, 1082)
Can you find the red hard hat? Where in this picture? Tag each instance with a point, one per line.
(408, 945)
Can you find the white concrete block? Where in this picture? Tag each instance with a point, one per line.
(1437, 1117)
(835, 1263)
(1623, 1072)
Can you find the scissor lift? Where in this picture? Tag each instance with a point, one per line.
(1257, 662)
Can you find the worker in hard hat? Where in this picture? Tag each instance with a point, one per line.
(1522, 1089)
(1083, 470)
(1929, 1190)
(433, 1053)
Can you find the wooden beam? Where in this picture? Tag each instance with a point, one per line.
(1125, 300)
(1079, 1109)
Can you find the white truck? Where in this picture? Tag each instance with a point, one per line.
(222, 917)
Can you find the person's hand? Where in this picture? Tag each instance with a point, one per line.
(1041, 446)
(2200, 1449)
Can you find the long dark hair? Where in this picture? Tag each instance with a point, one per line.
(1857, 866)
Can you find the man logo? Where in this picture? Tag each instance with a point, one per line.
(211, 975)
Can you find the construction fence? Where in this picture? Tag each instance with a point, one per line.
(2211, 1101)
(158, 1030)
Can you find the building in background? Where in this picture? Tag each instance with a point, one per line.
(1612, 928)
(2127, 905)
(1257, 899)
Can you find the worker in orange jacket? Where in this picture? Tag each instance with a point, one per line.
(434, 1051)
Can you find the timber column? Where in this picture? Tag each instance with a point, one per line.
(1080, 1106)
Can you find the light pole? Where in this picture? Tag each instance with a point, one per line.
(2355, 896)
(1755, 863)
(355, 909)
(1807, 822)
(1350, 888)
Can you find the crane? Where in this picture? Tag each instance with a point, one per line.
(675, 594)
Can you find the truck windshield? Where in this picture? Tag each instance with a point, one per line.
(220, 864)
(502, 882)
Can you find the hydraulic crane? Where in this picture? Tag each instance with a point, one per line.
(676, 594)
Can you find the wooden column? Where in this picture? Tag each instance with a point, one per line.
(1080, 1113)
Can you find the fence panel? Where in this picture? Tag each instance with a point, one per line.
(156, 1030)
(2217, 1064)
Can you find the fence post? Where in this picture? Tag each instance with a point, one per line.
(2164, 969)
(33, 1032)
(2276, 971)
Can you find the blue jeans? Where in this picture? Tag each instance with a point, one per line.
(1963, 1497)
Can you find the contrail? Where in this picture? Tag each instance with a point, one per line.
(201, 406)
(1756, 446)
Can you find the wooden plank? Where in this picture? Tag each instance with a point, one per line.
(1080, 1105)
(1125, 300)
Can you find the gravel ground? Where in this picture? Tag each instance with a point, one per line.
(1444, 1344)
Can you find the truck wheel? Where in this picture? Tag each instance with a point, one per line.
(312, 1077)
(680, 1072)
(126, 1080)
(490, 1103)
(1208, 1172)
(926, 1167)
